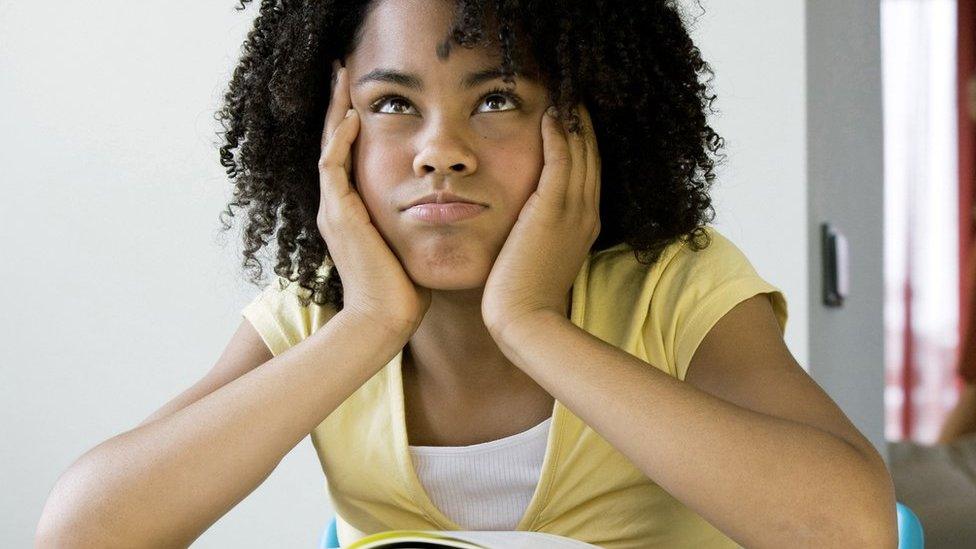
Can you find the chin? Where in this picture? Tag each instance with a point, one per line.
(442, 271)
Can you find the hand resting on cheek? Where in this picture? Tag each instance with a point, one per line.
(375, 284)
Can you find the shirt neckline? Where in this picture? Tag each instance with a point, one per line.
(415, 488)
(484, 447)
(550, 462)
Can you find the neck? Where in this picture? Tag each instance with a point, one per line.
(452, 350)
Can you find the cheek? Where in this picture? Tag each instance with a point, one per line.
(517, 162)
(380, 159)
(508, 154)
(378, 146)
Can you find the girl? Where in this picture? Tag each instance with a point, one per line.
(477, 331)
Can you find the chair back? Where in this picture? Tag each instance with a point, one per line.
(330, 537)
(910, 534)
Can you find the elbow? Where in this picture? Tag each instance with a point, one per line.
(883, 535)
(62, 527)
(50, 537)
(878, 510)
(867, 531)
(72, 516)
(62, 536)
(86, 509)
(60, 524)
(52, 528)
(863, 515)
(56, 528)
(881, 530)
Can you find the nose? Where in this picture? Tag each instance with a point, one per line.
(444, 153)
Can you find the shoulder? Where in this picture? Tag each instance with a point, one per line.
(679, 297)
(284, 314)
(679, 269)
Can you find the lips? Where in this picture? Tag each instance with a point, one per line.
(450, 212)
(444, 197)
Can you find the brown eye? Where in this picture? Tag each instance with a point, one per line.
(499, 97)
(392, 100)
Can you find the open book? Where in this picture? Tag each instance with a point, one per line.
(466, 539)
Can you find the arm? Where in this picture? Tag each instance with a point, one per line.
(762, 462)
(962, 419)
(165, 482)
(245, 352)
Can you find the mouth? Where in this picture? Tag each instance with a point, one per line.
(443, 197)
(444, 213)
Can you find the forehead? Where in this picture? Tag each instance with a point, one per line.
(414, 35)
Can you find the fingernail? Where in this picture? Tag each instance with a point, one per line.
(336, 67)
(551, 111)
(349, 113)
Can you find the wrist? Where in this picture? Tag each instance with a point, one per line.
(517, 328)
(396, 332)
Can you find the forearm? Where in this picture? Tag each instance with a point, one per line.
(962, 419)
(764, 481)
(166, 482)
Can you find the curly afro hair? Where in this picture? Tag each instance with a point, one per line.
(633, 64)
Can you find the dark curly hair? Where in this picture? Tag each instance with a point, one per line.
(632, 63)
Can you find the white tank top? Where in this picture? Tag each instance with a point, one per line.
(484, 486)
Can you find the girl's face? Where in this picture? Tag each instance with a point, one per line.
(424, 129)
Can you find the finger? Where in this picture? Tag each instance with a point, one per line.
(328, 110)
(333, 178)
(556, 160)
(344, 97)
(339, 102)
(577, 179)
(592, 187)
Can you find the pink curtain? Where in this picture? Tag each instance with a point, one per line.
(921, 231)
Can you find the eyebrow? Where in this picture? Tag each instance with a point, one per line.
(413, 81)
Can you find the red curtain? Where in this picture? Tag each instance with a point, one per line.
(966, 55)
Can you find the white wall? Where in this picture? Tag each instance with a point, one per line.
(118, 294)
(757, 50)
(122, 292)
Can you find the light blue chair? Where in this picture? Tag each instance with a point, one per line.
(910, 535)
(330, 538)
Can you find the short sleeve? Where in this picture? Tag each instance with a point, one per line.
(279, 317)
(697, 288)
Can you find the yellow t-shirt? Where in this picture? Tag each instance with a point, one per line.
(587, 489)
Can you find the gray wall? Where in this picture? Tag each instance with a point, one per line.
(845, 188)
